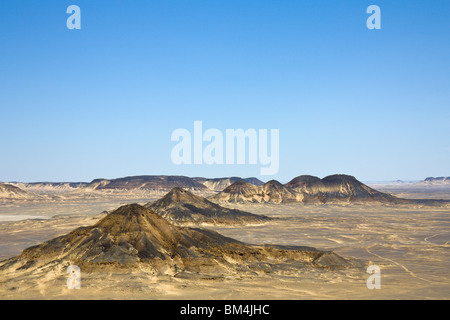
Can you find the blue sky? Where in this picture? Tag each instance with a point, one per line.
(103, 101)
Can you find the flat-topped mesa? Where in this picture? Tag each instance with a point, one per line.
(302, 182)
(338, 187)
(436, 181)
(146, 183)
(345, 188)
(181, 206)
(133, 237)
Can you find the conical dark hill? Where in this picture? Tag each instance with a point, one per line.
(181, 206)
(133, 237)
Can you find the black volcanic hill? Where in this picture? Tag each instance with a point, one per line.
(181, 206)
(147, 183)
(254, 181)
(166, 183)
(270, 192)
(338, 187)
(240, 191)
(306, 189)
(134, 237)
(304, 181)
(219, 184)
(275, 192)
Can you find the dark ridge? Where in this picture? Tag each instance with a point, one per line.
(301, 181)
(306, 189)
(182, 206)
(440, 179)
(147, 182)
(57, 184)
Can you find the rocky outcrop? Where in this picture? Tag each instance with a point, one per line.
(219, 184)
(155, 183)
(270, 192)
(305, 189)
(239, 192)
(180, 206)
(338, 188)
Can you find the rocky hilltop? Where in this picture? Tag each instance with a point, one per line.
(134, 237)
(306, 189)
(270, 192)
(218, 184)
(275, 192)
(181, 206)
(336, 188)
(239, 192)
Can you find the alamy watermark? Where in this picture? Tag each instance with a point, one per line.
(73, 22)
(234, 146)
(74, 279)
(374, 21)
(374, 281)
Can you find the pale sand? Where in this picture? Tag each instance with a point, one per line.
(411, 246)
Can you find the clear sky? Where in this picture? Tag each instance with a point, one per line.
(102, 102)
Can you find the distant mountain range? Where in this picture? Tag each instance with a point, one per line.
(147, 183)
(167, 183)
(304, 188)
(161, 183)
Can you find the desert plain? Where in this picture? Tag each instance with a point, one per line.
(410, 244)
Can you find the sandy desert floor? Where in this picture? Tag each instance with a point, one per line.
(409, 244)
